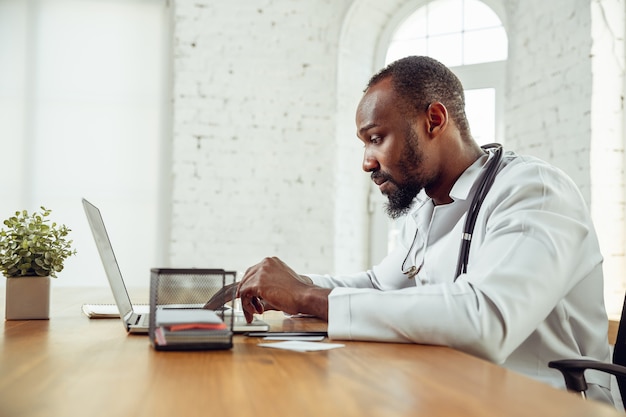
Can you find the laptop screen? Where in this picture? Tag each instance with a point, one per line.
(111, 268)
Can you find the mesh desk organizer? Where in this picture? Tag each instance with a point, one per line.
(178, 320)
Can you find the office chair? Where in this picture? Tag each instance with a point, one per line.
(573, 369)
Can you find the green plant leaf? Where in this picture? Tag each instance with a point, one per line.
(32, 246)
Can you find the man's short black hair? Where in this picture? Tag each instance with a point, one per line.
(420, 81)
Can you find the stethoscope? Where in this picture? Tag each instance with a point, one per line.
(485, 184)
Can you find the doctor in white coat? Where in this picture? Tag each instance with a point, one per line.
(531, 288)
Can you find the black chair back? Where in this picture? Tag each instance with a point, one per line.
(619, 350)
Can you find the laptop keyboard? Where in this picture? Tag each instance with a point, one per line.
(143, 320)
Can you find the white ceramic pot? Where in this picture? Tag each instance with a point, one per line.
(27, 298)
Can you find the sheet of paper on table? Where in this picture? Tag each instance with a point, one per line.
(302, 346)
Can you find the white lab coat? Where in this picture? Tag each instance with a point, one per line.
(533, 291)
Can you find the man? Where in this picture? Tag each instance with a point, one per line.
(533, 288)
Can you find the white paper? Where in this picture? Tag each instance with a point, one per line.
(110, 310)
(302, 346)
(300, 338)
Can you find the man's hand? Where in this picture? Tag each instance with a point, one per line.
(272, 285)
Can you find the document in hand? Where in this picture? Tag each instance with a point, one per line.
(191, 329)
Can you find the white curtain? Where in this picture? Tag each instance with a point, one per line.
(83, 105)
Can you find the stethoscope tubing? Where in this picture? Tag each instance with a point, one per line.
(472, 214)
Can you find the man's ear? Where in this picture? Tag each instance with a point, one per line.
(436, 118)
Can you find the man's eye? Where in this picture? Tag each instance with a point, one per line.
(375, 139)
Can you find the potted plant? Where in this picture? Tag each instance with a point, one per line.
(31, 252)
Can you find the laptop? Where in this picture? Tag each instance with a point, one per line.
(136, 318)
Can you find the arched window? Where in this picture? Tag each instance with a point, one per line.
(469, 37)
(455, 32)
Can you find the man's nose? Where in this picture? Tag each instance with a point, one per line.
(369, 162)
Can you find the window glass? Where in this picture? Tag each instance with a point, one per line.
(477, 15)
(447, 49)
(456, 32)
(475, 52)
(444, 16)
(413, 27)
(397, 50)
(481, 110)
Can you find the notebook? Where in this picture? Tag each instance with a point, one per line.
(135, 320)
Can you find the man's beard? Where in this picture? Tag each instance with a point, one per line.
(400, 201)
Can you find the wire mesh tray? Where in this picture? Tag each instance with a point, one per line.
(178, 320)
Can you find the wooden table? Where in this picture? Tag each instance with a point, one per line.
(72, 366)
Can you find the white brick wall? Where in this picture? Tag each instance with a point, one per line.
(549, 83)
(254, 122)
(607, 143)
(565, 105)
